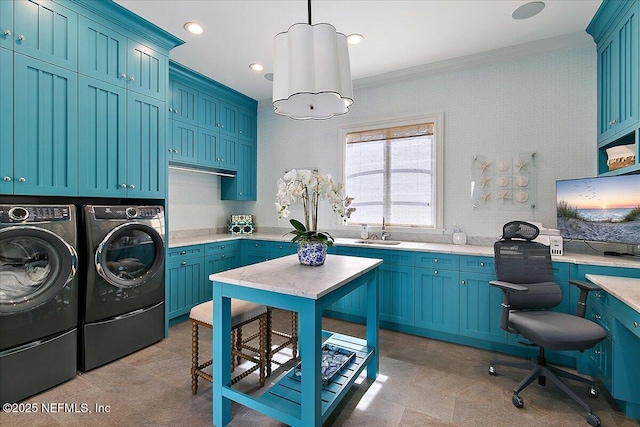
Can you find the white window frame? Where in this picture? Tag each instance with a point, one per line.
(438, 120)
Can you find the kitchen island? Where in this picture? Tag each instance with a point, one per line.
(284, 283)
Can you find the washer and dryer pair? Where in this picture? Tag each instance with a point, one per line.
(57, 314)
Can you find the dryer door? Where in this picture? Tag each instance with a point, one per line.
(35, 266)
(130, 255)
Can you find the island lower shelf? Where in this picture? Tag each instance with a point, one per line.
(283, 399)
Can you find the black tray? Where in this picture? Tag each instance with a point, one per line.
(334, 360)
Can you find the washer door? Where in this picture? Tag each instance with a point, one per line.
(130, 255)
(35, 266)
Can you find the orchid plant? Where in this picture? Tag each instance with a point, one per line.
(309, 188)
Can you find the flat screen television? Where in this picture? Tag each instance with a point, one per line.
(602, 209)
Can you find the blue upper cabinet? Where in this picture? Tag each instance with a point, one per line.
(183, 103)
(102, 52)
(146, 70)
(243, 186)
(184, 142)
(228, 119)
(615, 31)
(6, 24)
(6, 120)
(45, 128)
(208, 112)
(47, 31)
(247, 125)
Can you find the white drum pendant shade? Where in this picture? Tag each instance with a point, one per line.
(311, 72)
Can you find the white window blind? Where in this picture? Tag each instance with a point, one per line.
(390, 173)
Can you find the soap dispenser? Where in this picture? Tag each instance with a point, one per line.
(364, 232)
(459, 238)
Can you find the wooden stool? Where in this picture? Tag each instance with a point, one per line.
(291, 339)
(242, 313)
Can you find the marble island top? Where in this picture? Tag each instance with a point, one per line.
(287, 276)
(573, 258)
(626, 289)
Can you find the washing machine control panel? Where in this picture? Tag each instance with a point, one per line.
(128, 212)
(33, 213)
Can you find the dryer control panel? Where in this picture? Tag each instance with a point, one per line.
(33, 213)
(128, 212)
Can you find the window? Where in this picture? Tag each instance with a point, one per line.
(395, 173)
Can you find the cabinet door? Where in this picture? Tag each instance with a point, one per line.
(183, 105)
(354, 303)
(227, 119)
(227, 152)
(46, 31)
(215, 264)
(207, 112)
(46, 127)
(147, 70)
(146, 147)
(480, 305)
(184, 142)
(244, 185)
(247, 125)
(183, 286)
(207, 147)
(607, 88)
(396, 294)
(437, 299)
(102, 52)
(627, 64)
(102, 130)
(6, 120)
(6, 24)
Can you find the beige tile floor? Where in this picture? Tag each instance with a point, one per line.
(422, 382)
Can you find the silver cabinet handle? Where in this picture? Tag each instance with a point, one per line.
(131, 78)
(175, 110)
(123, 185)
(21, 38)
(482, 264)
(464, 282)
(7, 32)
(435, 260)
(170, 109)
(222, 247)
(6, 178)
(240, 132)
(183, 252)
(596, 351)
(222, 256)
(170, 150)
(636, 325)
(183, 263)
(21, 179)
(597, 316)
(123, 75)
(435, 272)
(132, 186)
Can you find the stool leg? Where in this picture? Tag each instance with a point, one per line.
(194, 357)
(233, 343)
(294, 334)
(269, 343)
(262, 347)
(238, 343)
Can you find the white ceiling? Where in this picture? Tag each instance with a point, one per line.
(398, 34)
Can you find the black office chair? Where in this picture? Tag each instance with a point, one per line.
(525, 275)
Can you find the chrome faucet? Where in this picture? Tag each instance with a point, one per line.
(384, 235)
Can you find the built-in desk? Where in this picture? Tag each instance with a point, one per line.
(616, 360)
(285, 284)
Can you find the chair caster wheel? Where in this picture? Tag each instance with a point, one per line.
(517, 401)
(593, 420)
(492, 370)
(593, 392)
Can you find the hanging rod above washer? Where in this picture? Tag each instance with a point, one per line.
(180, 168)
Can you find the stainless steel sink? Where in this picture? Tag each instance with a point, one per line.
(379, 242)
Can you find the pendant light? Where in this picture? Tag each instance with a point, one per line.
(311, 72)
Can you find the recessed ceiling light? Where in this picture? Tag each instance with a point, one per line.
(194, 28)
(355, 38)
(256, 67)
(528, 10)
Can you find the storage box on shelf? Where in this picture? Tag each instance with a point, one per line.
(615, 31)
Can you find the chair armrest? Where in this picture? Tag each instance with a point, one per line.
(508, 287)
(586, 286)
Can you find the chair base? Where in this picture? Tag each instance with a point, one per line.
(541, 371)
(291, 339)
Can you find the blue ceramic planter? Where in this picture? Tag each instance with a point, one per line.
(312, 253)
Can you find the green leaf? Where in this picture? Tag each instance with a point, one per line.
(298, 225)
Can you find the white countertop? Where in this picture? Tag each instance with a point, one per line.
(287, 276)
(573, 258)
(626, 289)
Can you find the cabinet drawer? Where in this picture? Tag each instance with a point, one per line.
(435, 260)
(597, 314)
(257, 245)
(478, 264)
(392, 257)
(627, 316)
(184, 252)
(219, 247)
(280, 249)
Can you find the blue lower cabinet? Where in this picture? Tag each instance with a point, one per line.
(215, 264)
(437, 299)
(396, 294)
(6, 116)
(183, 286)
(480, 306)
